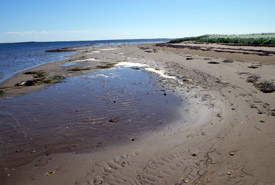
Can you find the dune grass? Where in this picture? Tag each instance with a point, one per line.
(244, 39)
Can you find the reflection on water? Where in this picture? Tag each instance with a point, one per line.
(83, 113)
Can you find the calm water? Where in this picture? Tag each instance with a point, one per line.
(83, 113)
(18, 57)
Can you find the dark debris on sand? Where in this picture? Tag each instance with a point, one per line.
(266, 87)
(40, 77)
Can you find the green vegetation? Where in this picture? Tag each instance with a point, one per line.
(245, 39)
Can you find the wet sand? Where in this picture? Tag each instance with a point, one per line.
(224, 136)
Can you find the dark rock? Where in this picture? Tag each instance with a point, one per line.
(1, 93)
(252, 79)
(189, 58)
(266, 87)
(228, 61)
(54, 79)
(113, 121)
(36, 74)
(84, 69)
(213, 62)
(148, 51)
(253, 67)
(194, 155)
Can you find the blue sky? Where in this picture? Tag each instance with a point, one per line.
(63, 20)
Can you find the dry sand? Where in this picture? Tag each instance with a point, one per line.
(226, 136)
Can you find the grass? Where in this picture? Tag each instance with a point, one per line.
(244, 39)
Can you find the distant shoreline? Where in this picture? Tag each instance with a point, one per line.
(31, 42)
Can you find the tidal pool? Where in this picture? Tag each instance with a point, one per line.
(84, 113)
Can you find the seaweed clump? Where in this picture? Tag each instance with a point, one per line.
(55, 79)
(266, 87)
(106, 66)
(40, 77)
(75, 69)
(1, 93)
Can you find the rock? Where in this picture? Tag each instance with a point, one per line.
(75, 69)
(253, 67)
(113, 121)
(213, 62)
(228, 173)
(36, 74)
(54, 79)
(260, 112)
(252, 79)
(266, 87)
(1, 93)
(31, 82)
(228, 61)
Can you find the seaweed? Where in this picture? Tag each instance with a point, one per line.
(1, 93)
(38, 81)
(106, 66)
(266, 87)
(55, 79)
(36, 74)
(75, 69)
(252, 79)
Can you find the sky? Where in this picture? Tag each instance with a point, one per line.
(68, 20)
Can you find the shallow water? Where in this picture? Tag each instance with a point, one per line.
(70, 64)
(15, 58)
(84, 113)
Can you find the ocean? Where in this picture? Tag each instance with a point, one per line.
(18, 57)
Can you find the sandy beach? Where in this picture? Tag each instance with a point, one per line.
(225, 133)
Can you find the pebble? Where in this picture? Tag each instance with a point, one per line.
(185, 181)
(228, 173)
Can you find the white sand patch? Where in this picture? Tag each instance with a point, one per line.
(88, 59)
(131, 64)
(96, 51)
(159, 72)
(108, 49)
